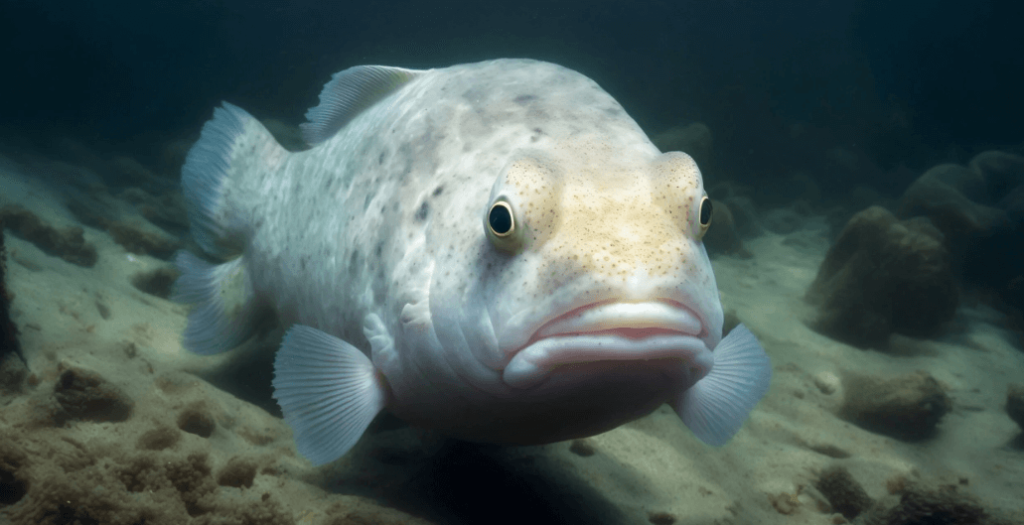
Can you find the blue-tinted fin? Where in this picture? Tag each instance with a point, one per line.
(328, 390)
(231, 144)
(715, 408)
(226, 312)
(347, 94)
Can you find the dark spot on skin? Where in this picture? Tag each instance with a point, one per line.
(524, 99)
(538, 131)
(421, 214)
(380, 159)
(380, 250)
(303, 261)
(354, 260)
(438, 190)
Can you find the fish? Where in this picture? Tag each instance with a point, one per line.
(495, 251)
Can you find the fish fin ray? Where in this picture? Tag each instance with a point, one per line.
(327, 417)
(349, 93)
(232, 144)
(226, 310)
(715, 407)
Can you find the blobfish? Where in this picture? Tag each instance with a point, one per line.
(495, 251)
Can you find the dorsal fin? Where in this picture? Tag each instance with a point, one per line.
(350, 92)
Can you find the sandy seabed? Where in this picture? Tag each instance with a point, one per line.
(113, 422)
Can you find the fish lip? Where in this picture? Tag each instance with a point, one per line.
(611, 315)
(611, 330)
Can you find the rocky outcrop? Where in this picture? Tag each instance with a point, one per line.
(979, 208)
(883, 276)
(907, 407)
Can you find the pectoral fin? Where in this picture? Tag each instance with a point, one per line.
(328, 390)
(715, 407)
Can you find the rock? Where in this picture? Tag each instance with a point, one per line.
(954, 198)
(158, 282)
(167, 211)
(906, 407)
(744, 215)
(160, 438)
(62, 480)
(827, 383)
(137, 220)
(846, 496)
(1015, 403)
(239, 472)
(746, 221)
(980, 211)
(67, 243)
(9, 346)
(883, 276)
(945, 506)
(13, 373)
(722, 236)
(197, 419)
(86, 395)
(139, 239)
(1001, 171)
(693, 139)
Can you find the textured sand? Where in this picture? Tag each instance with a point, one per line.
(200, 443)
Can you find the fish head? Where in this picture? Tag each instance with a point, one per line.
(590, 264)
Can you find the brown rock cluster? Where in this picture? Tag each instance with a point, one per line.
(883, 276)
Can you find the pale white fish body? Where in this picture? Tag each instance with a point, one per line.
(493, 250)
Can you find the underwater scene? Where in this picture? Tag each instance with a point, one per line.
(612, 263)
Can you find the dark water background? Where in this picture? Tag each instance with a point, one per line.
(905, 83)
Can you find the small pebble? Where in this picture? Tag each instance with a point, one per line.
(827, 382)
(582, 447)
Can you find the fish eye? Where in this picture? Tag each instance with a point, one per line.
(500, 220)
(504, 232)
(704, 214)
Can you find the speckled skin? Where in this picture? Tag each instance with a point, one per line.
(378, 236)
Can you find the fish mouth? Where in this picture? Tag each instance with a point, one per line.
(612, 331)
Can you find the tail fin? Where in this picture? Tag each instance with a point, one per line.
(233, 146)
(226, 311)
(233, 150)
